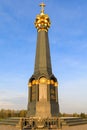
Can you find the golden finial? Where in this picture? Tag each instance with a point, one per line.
(42, 21)
(42, 5)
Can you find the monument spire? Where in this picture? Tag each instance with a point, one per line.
(43, 94)
(42, 59)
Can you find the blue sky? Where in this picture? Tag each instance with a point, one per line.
(68, 45)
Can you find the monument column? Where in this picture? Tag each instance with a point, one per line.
(43, 85)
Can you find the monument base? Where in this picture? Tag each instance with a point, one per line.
(34, 123)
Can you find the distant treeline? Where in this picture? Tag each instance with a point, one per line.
(82, 115)
(12, 113)
(22, 113)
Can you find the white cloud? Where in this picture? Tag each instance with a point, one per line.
(6, 105)
(73, 95)
(13, 100)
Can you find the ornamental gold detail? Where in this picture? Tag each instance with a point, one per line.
(42, 21)
(29, 84)
(56, 84)
(43, 80)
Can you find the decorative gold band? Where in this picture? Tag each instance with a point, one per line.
(43, 81)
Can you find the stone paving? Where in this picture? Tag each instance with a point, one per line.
(7, 127)
(79, 127)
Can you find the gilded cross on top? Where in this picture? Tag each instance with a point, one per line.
(42, 5)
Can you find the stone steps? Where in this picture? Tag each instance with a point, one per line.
(74, 121)
(10, 121)
(77, 123)
(64, 122)
(7, 123)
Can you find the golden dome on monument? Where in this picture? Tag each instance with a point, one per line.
(42, 21)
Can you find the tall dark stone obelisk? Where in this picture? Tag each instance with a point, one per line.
(43, 86)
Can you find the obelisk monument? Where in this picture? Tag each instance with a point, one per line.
(43, 85)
